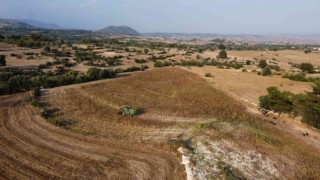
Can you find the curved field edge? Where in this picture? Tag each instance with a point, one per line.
(180, 109)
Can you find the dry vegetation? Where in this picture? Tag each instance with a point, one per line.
(179, 109)
(249, 85)
(210, 111)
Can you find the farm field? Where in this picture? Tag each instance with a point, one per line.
(248, 85)
(196, 114)
(94, 141)
(148, 91)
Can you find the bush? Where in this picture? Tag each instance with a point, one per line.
(262, 64)
(296, 77)
(306, 67)
(143, 67)
(208, 75)
(158, 64)
(3, 61)
(222, 47)
(36, 91)
(132, 69)
(275, 67)
(223, 54)
(266, 71)
(140, 61)
(248, 62)
(128, 111)
(307, 51)
(192, 63)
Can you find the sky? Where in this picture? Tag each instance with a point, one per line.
(180, 16)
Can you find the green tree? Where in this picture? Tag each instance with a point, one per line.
(93, 74)
(222, 47)
(263, 63)
(3, 61)
(306, 67)
(309, 107)
(277, 101)
(36, 37)
(316, 88)
(223, 54)
(146, 51)
(19, 83)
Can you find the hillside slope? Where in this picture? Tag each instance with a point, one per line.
(39, 24)
(9, 23)
(119, 30)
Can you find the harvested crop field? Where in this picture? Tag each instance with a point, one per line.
(248, 85)
(93, 141)
(282, 56)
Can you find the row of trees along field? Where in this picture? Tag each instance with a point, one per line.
(34, 40)
(306, 105)
(15, 80)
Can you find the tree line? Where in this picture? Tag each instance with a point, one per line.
(15, 80)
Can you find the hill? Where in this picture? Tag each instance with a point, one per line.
(118, 30)
(40, 24)
(10, 23)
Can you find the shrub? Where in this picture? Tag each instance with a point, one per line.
(223, 54)
(143, 67)
(266, 71)
(296, 77)
(158, 64)
(128, 111)
(275, 67)
(3, 61)
(36, 91)
(307, 51)
(140, 61)
(306, 67)
(191, 63)
(222, 47)
(132, 69)
(208, 75)
(262, 64)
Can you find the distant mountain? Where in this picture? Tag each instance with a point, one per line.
(10, 23)
(39, 24)
(26, 23)
(118, 30)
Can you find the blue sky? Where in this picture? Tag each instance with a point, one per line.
(201, 16)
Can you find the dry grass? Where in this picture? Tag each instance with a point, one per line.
(173, 92)
(249, 86)
(284, 56)
(138, 146)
